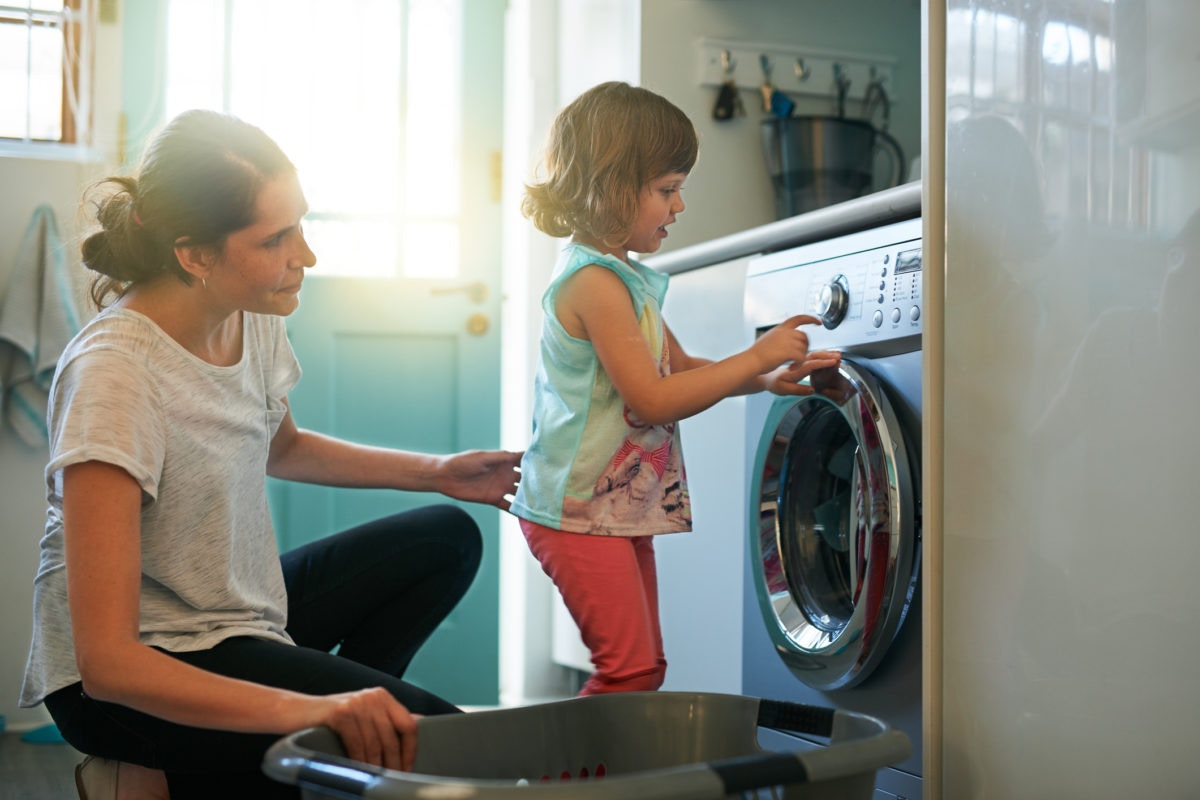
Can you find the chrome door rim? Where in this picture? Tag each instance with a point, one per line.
(833, 624)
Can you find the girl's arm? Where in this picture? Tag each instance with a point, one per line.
(782, 380)
(101, 515)
(594, 304)
(479, 476)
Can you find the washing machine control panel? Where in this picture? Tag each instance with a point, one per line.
(865, 287)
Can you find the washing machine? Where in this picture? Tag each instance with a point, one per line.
(832, 599)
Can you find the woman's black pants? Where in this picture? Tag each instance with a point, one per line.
(375, 593)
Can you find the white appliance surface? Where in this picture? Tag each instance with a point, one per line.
(700, 573)
(1067, 537)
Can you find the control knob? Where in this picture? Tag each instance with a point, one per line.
(834, 302)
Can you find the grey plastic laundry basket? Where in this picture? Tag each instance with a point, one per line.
(634, 746)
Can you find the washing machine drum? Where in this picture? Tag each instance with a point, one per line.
(834, 527)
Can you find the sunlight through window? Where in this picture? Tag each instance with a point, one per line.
(363, 95)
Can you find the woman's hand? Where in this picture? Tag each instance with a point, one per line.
(480, 476)
(373, 725)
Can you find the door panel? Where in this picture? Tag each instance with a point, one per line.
(413, 363)
(419, 381)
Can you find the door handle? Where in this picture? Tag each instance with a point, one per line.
(477, 291)
(478, 324)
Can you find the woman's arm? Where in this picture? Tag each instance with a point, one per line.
(101, 515)
(478, 476)
(594, 304)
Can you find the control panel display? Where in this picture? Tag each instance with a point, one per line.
(865, 288)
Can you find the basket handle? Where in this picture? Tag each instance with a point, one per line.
(879, 745)
(291, 760)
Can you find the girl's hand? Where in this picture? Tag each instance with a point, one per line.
(784, 343)
(480, 476)
(785, 380)
(373, 725)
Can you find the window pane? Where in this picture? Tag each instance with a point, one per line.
(31, 64)
(195, 56)
(45, 84)
(347, 90)
(352, 248)
(434, 113)
(13, 84)
(321, 91)
(431, 250)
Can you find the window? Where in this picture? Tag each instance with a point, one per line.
(363, 96)
(42, 74)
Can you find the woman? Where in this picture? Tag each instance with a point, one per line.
(171, 641)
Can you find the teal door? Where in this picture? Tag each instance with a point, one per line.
(410, 358)
(396, 132)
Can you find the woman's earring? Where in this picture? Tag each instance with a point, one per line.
(204, 284)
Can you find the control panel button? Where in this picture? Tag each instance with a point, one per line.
(914, 313)
(834, 302)
(895, 315)
(877, 318)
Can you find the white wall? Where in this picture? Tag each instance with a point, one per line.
(700, 573)
(22, 492)
(729, 189)
(55, 177)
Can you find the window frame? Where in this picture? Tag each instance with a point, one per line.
(70, 19)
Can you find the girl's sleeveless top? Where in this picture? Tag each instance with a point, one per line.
(592, 466)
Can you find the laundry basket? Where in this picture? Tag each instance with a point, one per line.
(632, 746)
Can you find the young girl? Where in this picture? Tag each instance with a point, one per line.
(604, 471)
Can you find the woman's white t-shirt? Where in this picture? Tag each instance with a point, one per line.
(195, 437)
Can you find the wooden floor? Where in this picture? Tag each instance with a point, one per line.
(36, 771)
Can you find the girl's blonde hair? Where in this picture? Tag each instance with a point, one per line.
(602, 150)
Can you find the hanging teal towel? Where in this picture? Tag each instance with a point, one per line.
(37, 319)
(47, 734)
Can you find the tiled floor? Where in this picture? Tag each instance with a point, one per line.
(36, 771)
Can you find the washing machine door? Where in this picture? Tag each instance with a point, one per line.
(834, 527)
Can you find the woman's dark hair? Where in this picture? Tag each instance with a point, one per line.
(602, 150)
(198, 182)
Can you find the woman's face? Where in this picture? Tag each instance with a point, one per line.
(261, 266)
(660, 202)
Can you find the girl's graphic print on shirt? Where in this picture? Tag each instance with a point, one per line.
(644, 481)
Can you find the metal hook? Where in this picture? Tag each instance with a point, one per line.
(801, 70)
(765, 63)
(728, 64)
(841, 85)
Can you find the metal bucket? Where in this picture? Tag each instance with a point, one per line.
(816, 161)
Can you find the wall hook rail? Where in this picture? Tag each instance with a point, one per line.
(812, 73)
